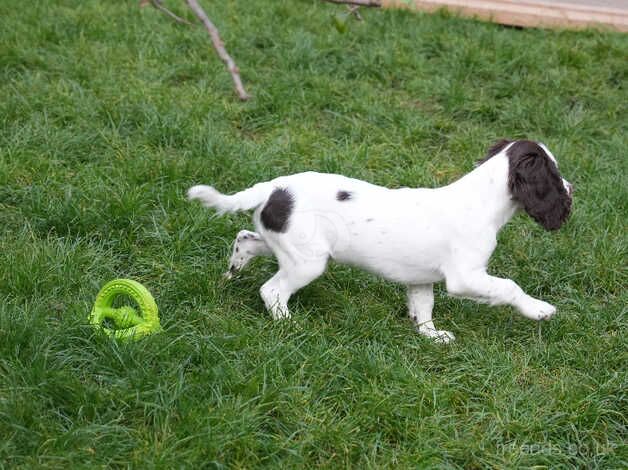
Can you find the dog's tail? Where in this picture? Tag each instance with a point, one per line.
(243, 201)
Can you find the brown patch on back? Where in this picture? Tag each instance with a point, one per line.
(276, 213)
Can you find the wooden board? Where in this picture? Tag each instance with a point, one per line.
(529, 13)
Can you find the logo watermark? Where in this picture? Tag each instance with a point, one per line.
(553, 448)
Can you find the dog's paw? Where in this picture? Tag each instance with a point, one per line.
(280, 314)
(538, 310)
(439, 336)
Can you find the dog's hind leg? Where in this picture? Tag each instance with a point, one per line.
(420, 305)
(246, 246)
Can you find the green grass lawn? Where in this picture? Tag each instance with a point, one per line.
(110, 112)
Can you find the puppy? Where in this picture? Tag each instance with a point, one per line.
(413, 236)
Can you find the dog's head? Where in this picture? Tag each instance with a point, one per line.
(535, 182)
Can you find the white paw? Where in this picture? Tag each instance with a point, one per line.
(280, 314)
(538, 310)
(278, 309)
(439, 336)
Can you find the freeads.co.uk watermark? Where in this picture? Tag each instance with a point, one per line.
(562, 448)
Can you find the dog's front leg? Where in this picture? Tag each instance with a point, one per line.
(420, 305)
(481, 287)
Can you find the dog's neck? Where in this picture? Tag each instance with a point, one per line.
(485, 192)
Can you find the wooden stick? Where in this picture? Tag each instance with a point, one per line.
(219, 46)
(360, 3)
(353, 10)
(159, 5)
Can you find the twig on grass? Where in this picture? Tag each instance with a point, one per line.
(360, 3)
(353, 10)
(159, 5)
(219, 46)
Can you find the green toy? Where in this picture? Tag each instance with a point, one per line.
(128, 323)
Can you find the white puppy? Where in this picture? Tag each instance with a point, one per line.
(412, 236)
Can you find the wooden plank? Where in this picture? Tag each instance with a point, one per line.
(529, 13)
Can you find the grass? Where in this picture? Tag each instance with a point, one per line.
(109, 112)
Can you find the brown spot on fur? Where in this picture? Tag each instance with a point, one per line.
(343, 195)
(277, 210)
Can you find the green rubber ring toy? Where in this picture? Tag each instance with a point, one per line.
(128, 323)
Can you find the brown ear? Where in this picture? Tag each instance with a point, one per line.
(534, 182)
(495, 149)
